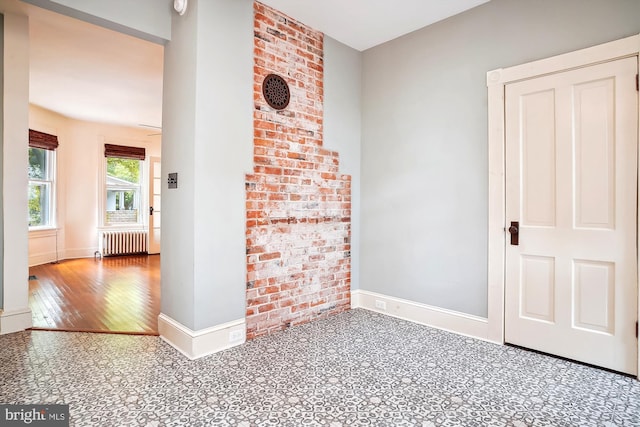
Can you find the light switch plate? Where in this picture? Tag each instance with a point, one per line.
(173, 180)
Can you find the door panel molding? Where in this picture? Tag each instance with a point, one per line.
(497, 235)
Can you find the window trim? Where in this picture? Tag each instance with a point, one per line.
(51, 181)
(124, 152)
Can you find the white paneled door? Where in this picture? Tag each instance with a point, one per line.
(572, 174)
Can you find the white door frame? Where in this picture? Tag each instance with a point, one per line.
(496, 81)
(150, 203)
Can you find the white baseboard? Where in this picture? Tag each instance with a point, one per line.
(47, 257)
(197, 344)
(79, 253)
(15, 321)
(448, 320)
(44, 258)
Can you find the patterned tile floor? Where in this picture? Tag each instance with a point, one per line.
(355, 369)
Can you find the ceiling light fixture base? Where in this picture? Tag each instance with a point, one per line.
(180, 6)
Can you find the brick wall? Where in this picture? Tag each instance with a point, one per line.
(298, 203)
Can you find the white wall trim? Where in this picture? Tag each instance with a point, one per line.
(46, 257)
(15, 321)
(496, 82)
(440, 318)
(41, 258)
(39, 233)
(43, 244)
(197, 344)
(79, 253)
(606, 52)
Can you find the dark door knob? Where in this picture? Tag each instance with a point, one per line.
(514, 230)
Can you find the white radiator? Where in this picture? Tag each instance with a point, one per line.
(123, 242)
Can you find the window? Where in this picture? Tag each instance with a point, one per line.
(41, 200)
(123, 185)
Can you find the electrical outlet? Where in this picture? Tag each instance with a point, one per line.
(381, 305)
(237, 335)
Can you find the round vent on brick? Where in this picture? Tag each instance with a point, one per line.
(276, 91)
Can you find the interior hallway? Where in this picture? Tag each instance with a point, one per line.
(114, 294)
(353, 369)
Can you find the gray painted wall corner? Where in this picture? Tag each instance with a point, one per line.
(424, 146)
(342, 128)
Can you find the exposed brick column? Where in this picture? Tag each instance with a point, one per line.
(298, 203)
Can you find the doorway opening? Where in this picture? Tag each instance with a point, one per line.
(92, 89)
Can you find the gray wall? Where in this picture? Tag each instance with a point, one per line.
(424, 146)
(224, 154)
(1, 163)
(342, 127)
(208, 140)
(178, 124)
(146, 19)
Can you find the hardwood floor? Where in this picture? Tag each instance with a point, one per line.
(114, 294)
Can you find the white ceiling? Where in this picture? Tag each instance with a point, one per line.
(90, 73)
(362, 24)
